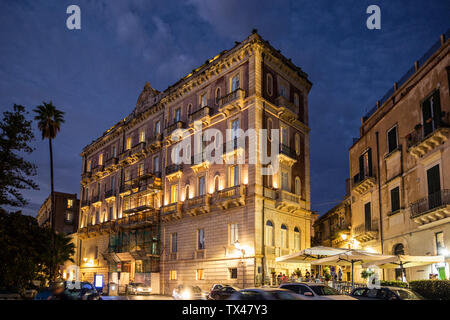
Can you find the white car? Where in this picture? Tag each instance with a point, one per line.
(184, 292)
(315, 291)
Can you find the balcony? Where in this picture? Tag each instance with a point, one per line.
(229, 197)
(366, 232)
(202, 115)
(154, 143)
(288, 201)
(96, 201)
(231, 149)
(232, 102)
(419, 144)
(86, 177)
(137, 220)
(363, 182)
(85, 204)
(111, 164)
(433, 209)
(110, 195)
(288, 110)
(174, 171)
(287, 155)
(97, 170)
(124, 156)
(137, 151)
(171, 211)
(197, 205)
(174, 126)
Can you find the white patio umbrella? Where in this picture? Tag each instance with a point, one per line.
(351, 257)
(310, 254)
(405, 261)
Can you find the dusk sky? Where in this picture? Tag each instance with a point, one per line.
(96, 74)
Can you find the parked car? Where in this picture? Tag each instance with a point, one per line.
(183, 292)
(43, 294)
(385, 293)
(75, 291)
(219, 292)
(315, 291)
(6, 294)
(138, 288)
(265, 294)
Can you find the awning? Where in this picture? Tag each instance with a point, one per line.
(406, 261)
(310, 254)
(350, 257)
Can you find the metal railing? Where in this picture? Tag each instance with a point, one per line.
(176, 125)
(236, 94)
(111, 161)
(418, 135)
(430, 202)
(228, 193)
(360, 177)
(173, 168)
(286, 150)
(366, 227)
(199, 114)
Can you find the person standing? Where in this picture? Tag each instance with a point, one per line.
(340, 274)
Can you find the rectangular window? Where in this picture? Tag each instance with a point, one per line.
(173, 275)
(297, 240)
(440, 246)
(113, 183)
(128, 145)
(284, 137)
(156, 164)
(100, 159)
(431, 113)
(89, 166)
(114, 151)
(174, 243)
(200, 239)
(142, 135)
(200, 274)
(174, 193)
(177, 116)
(233, 233)
(285, 180)
(157, 127)
(367, 217)
(127, 175)
(233, 273)
(392, 139)
(111, 213)
(269, 235)
(233, 176)
(201, 186)
(69, 203)
(365, 165)
(203, 100)
(234, 129)
(235, 83)
(69, 216)
(141, 169)
(283, 235)
(395, 199)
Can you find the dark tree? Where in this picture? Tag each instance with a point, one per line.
(15, 171)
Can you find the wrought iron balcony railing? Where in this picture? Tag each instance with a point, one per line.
(286, 150)
(232, 96)
(200, 114)
(430, 202)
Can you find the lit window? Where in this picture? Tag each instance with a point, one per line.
(285, 180)
(156, 164)
(203, 100)
(128, 145)
(200, 274)
(69, 203)
(284, 137)
(142, 135)
(173, 275)
(233, 176)
(89, 166)
(269, 129)
(127, 175)
(177, 115)
(392, 139)
(100, 159)
(114, 151)
(283, 91)
(233, 233)
(69, 216)
(174, 193)
(141, 169)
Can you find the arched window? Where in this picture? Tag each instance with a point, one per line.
(284, 236)
(216, 183)
(296, 239)
(269, 84)
(297, 144)
(218, 96)
(186, 192)
(298, 188)
(105, 216)
(269, 233)
(269, 128)
(270, 176)
(399, 249)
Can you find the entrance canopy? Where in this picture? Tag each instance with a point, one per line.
(404, 261)
(351, 257)
(310, 254)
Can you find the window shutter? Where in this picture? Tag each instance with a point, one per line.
(369, 155)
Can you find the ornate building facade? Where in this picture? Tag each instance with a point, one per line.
(146, 217)
(400, 167)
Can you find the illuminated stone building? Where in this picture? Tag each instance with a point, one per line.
(400, 167)
(146, 218)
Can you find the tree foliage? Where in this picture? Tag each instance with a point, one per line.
(26, 254)
(15, 172)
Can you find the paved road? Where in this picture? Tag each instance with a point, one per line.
(132, 297)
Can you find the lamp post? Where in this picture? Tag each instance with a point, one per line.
(237, 245)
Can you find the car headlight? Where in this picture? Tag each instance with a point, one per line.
(186, 295)
(139, 289)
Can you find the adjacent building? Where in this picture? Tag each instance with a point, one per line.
(400, 168)
(147, 218)
(65, 218)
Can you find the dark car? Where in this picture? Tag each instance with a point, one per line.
(265, 294)
(315, 291)
(222, 292)
(385, 293)
(79, 291)
(138, 288)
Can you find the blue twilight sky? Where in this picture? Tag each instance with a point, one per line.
(96, 74)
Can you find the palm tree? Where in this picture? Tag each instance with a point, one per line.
(49, 123)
